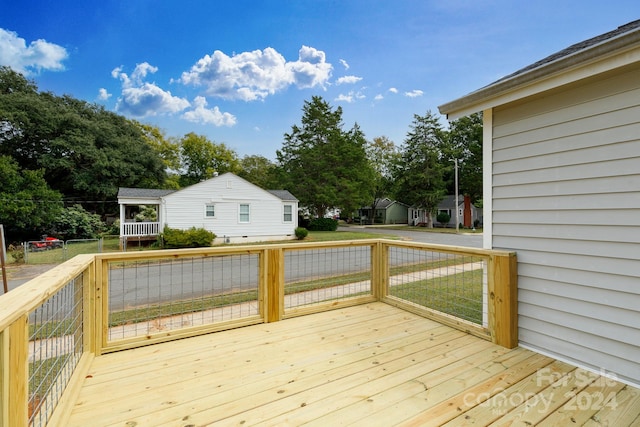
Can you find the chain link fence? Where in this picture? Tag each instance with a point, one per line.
(57, 251)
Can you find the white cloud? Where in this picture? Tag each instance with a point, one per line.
(414, 93)
(344, 64)
(254, 75)
(103, 94)
(39, 55)
(201, 114)
(348, 80)
(393, 90)
(379, 97)
(141, 99)
(350, 97)
(311, 68)
(149, 100)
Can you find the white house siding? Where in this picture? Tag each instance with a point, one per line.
(566, 197)
(186, 208)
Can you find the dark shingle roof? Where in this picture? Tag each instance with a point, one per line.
(575, 48)
(284, 195)
(149, 193)
(582, 52)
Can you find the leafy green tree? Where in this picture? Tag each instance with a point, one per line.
(465, 138)
(77, 223)
(86, 152)
(201, 159)
(421, 171)
(323, 165)
(258, 170)
(167, 148)
(383, 155)
(27, 205)
(12, 81)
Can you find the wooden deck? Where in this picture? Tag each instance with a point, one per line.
(369, 365)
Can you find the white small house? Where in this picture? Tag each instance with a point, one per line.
(227, 205)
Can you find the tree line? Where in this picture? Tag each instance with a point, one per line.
(62, 160)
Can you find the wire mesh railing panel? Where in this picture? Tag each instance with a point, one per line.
(449, 283)
(313, 276)
(55, 348)
(152, 296)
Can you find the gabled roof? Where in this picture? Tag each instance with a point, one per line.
(450, 201)
(579, 54)
(155, 193)
(575, 48)
(385, 203)
(284, 195)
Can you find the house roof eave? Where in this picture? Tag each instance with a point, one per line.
(575, 56)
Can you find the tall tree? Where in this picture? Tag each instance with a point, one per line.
(465, 136)
(85, 151)
(420, 175)
(201, 159)
(167, 148)
(258, 170)
(383, 155)
(27, 204)
(323, 165)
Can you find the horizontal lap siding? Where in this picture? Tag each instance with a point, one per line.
(186, 208)
(566, 197)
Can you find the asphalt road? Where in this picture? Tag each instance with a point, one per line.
(173, 280)
(461, 239)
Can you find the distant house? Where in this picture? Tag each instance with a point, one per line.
(562, 189)
(387, 211)
(468, 213)
(229, 206)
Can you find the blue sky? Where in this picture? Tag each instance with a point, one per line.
(239, 71)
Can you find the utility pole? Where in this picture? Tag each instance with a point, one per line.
(455, 161)
(3, 257)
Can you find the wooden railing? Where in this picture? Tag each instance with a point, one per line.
(275, 282)
(135, 229)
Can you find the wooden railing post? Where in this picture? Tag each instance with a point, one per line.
(379, 270)
(16, 401)
(275, 284)
(89, 308)
(4, 378)
(100, 305)
(503, 299)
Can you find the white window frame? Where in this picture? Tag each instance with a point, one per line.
(240, 213)
(285, 213)
(206, 210)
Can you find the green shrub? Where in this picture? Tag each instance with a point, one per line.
(76, 223)
(17, 253)
(443, 218)
(301, 233)
(323, 224)
(173, 238)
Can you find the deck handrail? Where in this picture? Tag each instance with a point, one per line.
(16, 306)
(134, 229)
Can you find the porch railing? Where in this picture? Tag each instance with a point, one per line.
(135, 229)
(53, 326)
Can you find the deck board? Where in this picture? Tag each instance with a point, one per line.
(366, 365)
